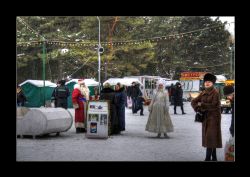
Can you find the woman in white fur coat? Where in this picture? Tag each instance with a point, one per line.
(159, 120)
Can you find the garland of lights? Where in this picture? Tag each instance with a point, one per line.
(178, 36)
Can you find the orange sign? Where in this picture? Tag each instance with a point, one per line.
(192, 75)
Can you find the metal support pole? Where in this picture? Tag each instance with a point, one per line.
(99, 58)
(232, 57)
(44, 58)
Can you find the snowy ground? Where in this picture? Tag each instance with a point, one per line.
(134, 144)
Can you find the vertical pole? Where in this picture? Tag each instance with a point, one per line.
(105, 70)
(99, 69)
(99, 59)
(44, 55)
(232, 56)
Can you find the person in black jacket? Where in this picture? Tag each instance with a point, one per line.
(53, 96)
(140, 101)
(134, 94)
(61, 95)
(178, 94)
(171, 94)
(107, 93)
(120, 99)
(229, 93)
(21, 99)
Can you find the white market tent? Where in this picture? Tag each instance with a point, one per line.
(88, 82)
(220, 78)
(169, 82)
(39, 83)
(123, 81)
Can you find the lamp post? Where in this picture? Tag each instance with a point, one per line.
(44, 58)
(99, 58)
(99, 50)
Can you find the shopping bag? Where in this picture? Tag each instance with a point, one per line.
(53, 104)
(229, 150)
(129, 102)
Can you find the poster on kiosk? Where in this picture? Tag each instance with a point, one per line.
(97, 119)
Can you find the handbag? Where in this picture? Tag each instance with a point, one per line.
(229, 150)
(200, 116)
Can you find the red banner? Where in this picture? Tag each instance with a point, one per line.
(192, 75)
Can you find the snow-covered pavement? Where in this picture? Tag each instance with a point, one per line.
(134, 144)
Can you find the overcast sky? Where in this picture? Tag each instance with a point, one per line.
(230, 20)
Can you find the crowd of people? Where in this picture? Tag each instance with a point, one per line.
(159, 120)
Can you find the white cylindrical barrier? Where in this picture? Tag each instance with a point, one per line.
(40, 121)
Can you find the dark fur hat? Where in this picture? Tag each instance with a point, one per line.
(209, 77)
(177, 83)
(228, 90)
(62, 82)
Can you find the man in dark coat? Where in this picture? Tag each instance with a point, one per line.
(134, 94)
(229, 93)
(53, 96)
(208, 102)
(21, 99)
(178, 100)
(171, 92)
(120, 99)
(109, 94)
(61, 95)
(140, 101)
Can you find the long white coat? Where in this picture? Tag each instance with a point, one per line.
(159, 120)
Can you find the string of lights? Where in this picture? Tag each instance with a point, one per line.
(92, 43)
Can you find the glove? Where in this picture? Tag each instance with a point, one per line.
(75, 106)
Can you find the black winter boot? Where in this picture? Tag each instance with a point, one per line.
(182, 110)
(78, 130)
(214, 157)
(141, 113)
(175, 110)
(82, 130)
(208, 154)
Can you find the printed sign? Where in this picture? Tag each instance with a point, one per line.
(97, 107)
(93, 127)
(97, 119)
(94, 117)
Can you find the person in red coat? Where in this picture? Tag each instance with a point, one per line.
(77, 100)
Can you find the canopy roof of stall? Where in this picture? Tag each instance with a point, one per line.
(39, 83)
(88, 82)
(123, 81)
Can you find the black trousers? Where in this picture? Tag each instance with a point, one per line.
(181, 108)
(140, 107)
(231, 129)
(211, 152)
(62, 104)
(134, 105)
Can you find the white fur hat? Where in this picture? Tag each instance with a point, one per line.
(81, 81)
(77, 86)
(161, 82)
